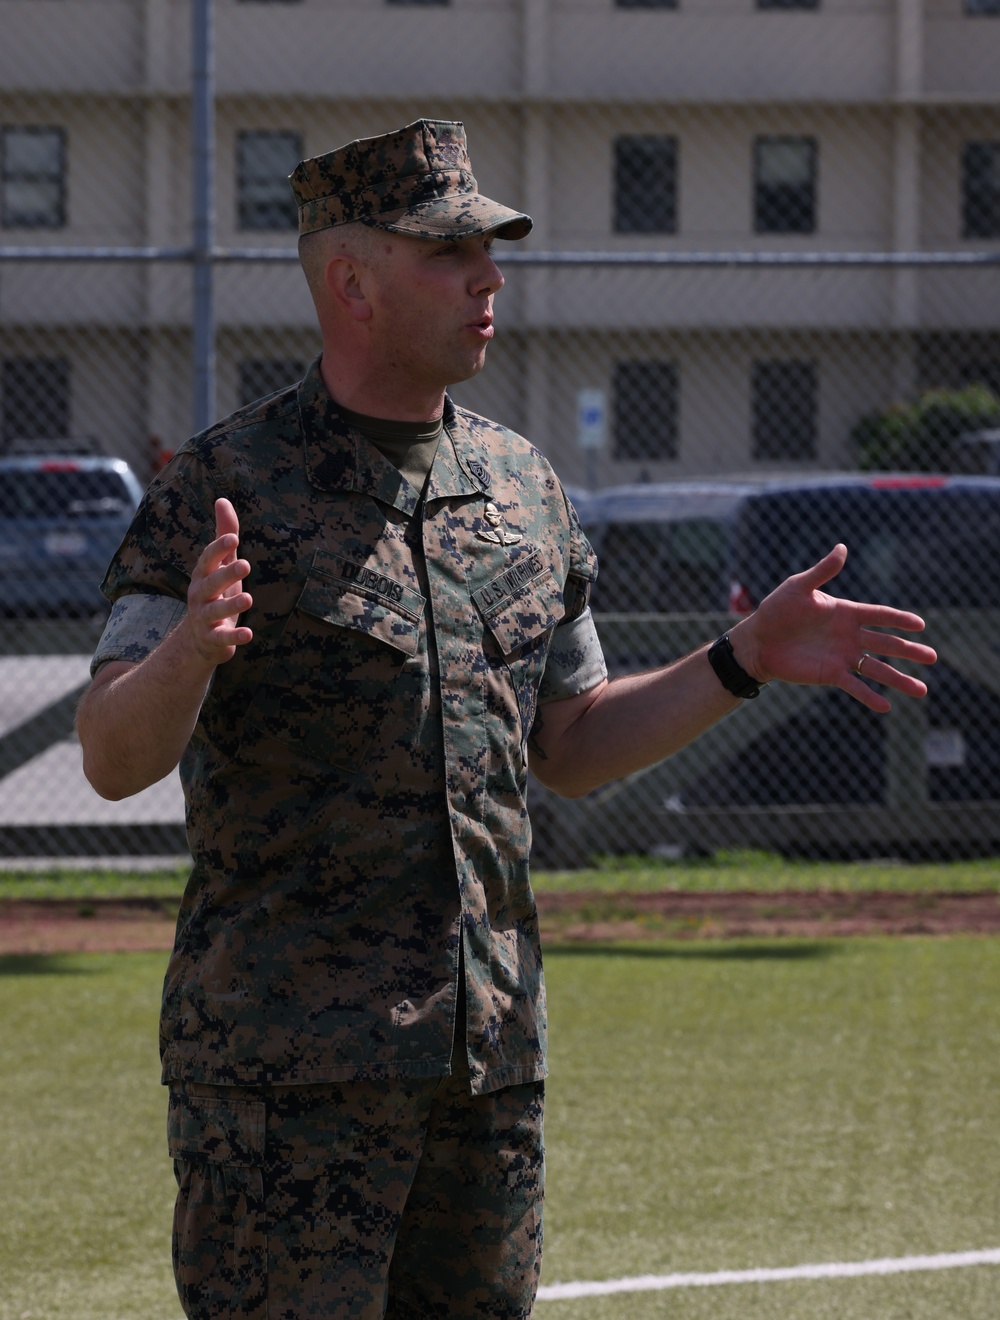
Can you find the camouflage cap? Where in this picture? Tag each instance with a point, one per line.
(417, 180)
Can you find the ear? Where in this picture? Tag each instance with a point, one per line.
(346, 281)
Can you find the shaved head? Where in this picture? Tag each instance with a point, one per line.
(362, 242)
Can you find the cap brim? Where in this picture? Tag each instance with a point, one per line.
(458, 216)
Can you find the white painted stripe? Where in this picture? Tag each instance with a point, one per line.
(836, 1270)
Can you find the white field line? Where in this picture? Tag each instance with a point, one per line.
(836, 1270)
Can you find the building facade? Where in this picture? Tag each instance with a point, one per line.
(701, 126)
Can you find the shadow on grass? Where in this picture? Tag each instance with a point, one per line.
(772, 950)
(42, 964)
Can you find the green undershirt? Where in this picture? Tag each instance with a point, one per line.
(409, 446)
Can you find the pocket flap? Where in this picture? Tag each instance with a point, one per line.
(217, 1130)
(365, 599)
(521, 603)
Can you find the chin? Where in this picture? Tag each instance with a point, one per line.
(467, 371)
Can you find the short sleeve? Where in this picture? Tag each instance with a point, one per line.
(575, 661)
(137, 625)
(147, 580)
(582, 568)
(173, 524)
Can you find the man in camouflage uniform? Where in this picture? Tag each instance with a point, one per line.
(353, 1026)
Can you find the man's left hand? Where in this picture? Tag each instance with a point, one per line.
(800, 634)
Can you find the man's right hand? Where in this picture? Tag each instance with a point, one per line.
(136, 719)
(216, 597)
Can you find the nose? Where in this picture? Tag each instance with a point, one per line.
(488, 277)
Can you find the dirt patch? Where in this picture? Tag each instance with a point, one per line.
(41, 926)
(809, 915)
(98, 925)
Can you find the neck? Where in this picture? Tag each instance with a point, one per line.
(380, 397)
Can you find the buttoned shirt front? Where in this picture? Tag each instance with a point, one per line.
(355, 787)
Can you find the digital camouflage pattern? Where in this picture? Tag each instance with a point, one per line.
(417, 180)
(290, 1201)
(355, 787)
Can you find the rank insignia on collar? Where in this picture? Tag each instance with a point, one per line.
(495, 533)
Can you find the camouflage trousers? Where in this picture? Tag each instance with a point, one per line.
(405, 1199)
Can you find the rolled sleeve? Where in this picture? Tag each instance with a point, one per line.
(137, 625)
(575, 662)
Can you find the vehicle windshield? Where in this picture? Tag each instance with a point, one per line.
(917, 549)
(61, 493)
(669, 567)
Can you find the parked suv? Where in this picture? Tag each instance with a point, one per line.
(917, 541)
(927, 776)
(61, 519)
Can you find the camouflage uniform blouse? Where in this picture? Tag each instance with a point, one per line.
(355, 787)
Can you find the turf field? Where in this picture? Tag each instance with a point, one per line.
(732, 1106)
(712, 1106)
(721, 873)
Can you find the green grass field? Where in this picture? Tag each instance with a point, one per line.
(725, 871)
(87, 1192)
(711, 1106)
(730, 1106)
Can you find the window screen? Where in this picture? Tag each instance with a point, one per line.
(785, 185)
(645, 410)
(264, 160)
(646, 185)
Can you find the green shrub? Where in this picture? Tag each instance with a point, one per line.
(921, 436)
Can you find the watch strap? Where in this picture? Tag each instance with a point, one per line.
(730, 673)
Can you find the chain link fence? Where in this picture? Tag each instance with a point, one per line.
(766, 243)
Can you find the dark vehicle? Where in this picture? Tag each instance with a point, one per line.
(920, 542)
(61, 519)
(807, 769)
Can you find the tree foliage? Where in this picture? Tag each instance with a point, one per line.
(923, 436)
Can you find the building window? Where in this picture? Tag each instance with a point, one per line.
(34, 399)
(981, 190)
(646, 185)
(784, 404)
(264, 160)
(645, 410)
(33, 177)
(262, 376)
(785, 185)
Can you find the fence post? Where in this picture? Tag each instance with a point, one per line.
(203, 220)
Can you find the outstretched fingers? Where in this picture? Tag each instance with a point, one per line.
(872, 665)
(216, 598)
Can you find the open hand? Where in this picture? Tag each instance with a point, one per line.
(216, 597)
(800, 634)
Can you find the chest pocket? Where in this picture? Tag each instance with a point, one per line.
(337, 661)
(519, 617)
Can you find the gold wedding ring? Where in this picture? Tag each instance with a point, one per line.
(857, 668)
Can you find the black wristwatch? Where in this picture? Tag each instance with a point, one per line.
(731, 674)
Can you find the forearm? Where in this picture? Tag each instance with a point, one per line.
(135, 720)
(798, 634)
(627, 724)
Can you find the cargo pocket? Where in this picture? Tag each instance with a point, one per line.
(220, 1229)
(337, 661)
